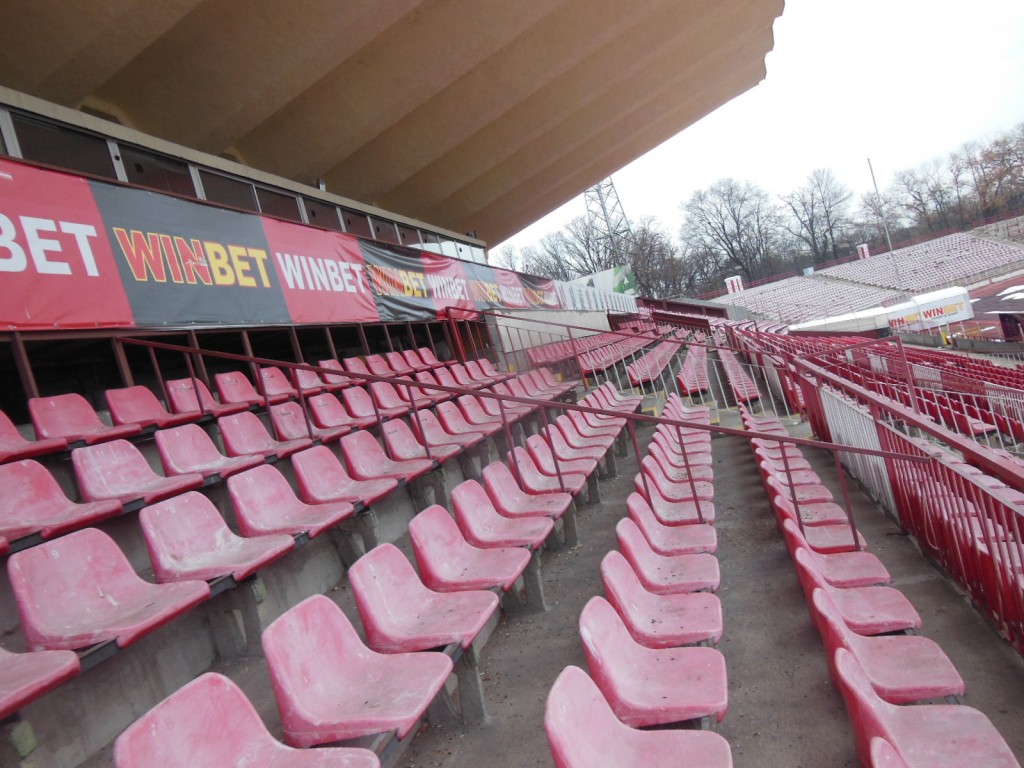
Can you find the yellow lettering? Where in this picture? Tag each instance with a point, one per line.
(220, 266)
(241, 266)
(260, 256)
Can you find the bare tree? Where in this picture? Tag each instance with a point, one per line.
(739, 224)
(819, 215)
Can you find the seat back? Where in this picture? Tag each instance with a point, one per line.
(581, 728)
(444, 377)
(606, 641)
(182, 448)
(290, 421)
(401, 442)
(261, 496)
(426, 354)
(386, 395)
(27, 492)
(180, 528)
(500, 482)
(62, 415)
(621, 584)
(108, 470)
(452, 419)
(470, 503)
(884, 755)
(436, 542)
(276, 382)
(308, 382)
(208, 723)
(385, 587)
(327, 410)
(868, 712)
(363, 454)
(834, 632)
(134, 405)
(182, 395)
(358, 402)
(632, 543)
(355, 365)
(378, 366)
(397, 363)
(334, 380)
(243, 433)
(319, 473)
(235, 387)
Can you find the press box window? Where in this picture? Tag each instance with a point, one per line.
(278, 204)
(228, 191)
(63, 148)
(163, 173)
(356, 223)
(322, 215)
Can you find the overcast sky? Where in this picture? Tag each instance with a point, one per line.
(899, 81)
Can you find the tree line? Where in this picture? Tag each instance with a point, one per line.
(736, 227)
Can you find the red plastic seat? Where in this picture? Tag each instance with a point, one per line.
(670, 539)
(412, 359)
(659, 621)
(840, 569)
(803, 494)
(356, 365)
(475, 415)
(884, 755)
(482, 526)
(511, 501)
(14, 446)
(650, 686)
(866, 610)
(464, 378)
(32, 502)
(400, 614)
(566, 451)
(573, 437)
(679, 469)
(403, 445)
(584, 732)
(328, 412)
(72, 418)
(429, 391)
(455, 423)
(308, 382)
(235, 387)
(209, 723)
(428, 429)
(545, 460)
(579, 420)
(398, 363)
(188, 449)
(536, 482)
(137, 405)
(426, 354)
(811, 513)
(366, 460)
(379, 366)
(182, 397)
(825, 539)
(666, 574)
(188, 539)
(322, 478)
(265, 503)
(925, 736)
(477, 373)
(361, 405)
(290, 422)
(276, 384)
(903, 669)
(117, 470)
(390, 403)
(671, 490)
(243, 434)
(80, 590)
(24, 677)
(334, 381)
(449, 563)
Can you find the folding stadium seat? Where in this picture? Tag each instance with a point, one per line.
(445, 377)
(322, 478)
(672, 490)
(434, 395)
(585, 428)
(811, 513)
(117, 470)
(235, 387)
(181, 395)
(401, 366)
(188, 539)
(362, 406)
(308, 382)
(516, 388)
(426, 354)
(366, 460)
(561, 448)
(670, 539)
(334, 381)
(402, 443)
(32, 502)
(400, 614)
(328, 412)
(840, 569)
(379, 366)
(389, 401)
(866, 610)
(138, 405)
(678, 467)
(209, 723)
(80, 590)
(666, 574)
(903, 669)
(503, 388)
(356, 365)
(533, 388)
(659, 621)
(475, 415)
(265, 503)
(483, 526)
(72, 418)
(577, 440)
(449, 563)
(646, 686)
(510, 501)
(477, 374)
(14, 446)
(243, 434)
(412, 359)
(534, 481)
(925, 735)
(290, 422)
(24, 677)
(583, 731)
(188, 449)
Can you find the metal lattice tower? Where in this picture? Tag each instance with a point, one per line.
(608, 219)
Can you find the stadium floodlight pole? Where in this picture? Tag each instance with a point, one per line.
(885, 227)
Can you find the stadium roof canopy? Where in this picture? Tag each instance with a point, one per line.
(474, 115)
